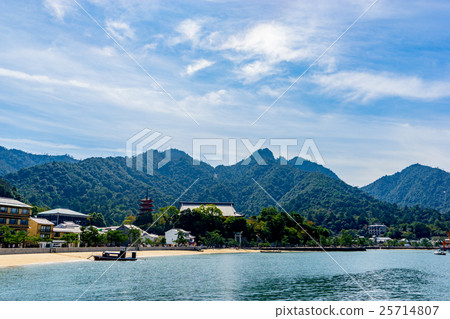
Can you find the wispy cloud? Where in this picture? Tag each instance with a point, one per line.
(369, 86)
(43, 79)
(33, 144)
(72, 86)
(188, 30)
(274, 41)
(136, 98)
(120, 29)
(197, 66)
(58, 8)
(254, 71)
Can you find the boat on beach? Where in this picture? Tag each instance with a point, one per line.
(116, 256)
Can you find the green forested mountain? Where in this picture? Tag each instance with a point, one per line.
(415, 185)
(108, 186)
(6, 190)
(12, 160)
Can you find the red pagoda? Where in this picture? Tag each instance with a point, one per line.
(146, 205)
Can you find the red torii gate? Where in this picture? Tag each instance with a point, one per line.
(446, 242)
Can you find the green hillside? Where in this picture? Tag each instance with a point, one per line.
(415, 185)
(108, 186)
(12, 160)
(6, 190)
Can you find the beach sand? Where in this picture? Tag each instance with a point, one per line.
(30, 259)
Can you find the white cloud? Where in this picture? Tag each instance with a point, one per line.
(43, 79)
(368, 86)
(266, 90)
(119, 29)
(254, 71)
(276, 42)
(265, 45)
(210, 98)
(189, 30)
(105, 51)
(33, 145)
(197, 66)
(135, 98)
(58, 8)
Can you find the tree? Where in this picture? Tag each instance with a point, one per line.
(181, 238)
(97, 219)
(134, 236)
(5, 235)
(144, 220)
(163, 219)
(346, 239)
(394, 233)
(129, 220)
(425, 243)
(116, 237)
(200, 220)
(38, 209)
(421, 230)
(70, 238)
(32, 240)
(91, 237)
(213, 239)
(234, 224)
(148, 241)
(18, 237)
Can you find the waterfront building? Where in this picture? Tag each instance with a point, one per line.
(144, 235)
(382, 240)
(227, 208)
(15, 214)
(65, 228)
(61, 215)
(377, 229)
(125, 229)
(172, 234)
(41, 227)
(104, 230)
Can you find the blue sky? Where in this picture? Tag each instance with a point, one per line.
(376, 102)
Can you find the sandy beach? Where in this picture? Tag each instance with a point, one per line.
(31, 259)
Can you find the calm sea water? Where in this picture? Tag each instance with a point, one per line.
(385, 275)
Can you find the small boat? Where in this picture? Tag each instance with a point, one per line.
(440, 252)
(270, 251)
(116, 255)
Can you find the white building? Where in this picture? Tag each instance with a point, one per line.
(65, 228)
(61, 215)
(172, 234)
(125, 229)
(382, 240)
(227, 209)
(144, 235)
(377, 229)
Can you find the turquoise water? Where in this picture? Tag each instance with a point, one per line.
(384, 275)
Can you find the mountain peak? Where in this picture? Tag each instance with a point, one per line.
(415, 185)
(266, 154)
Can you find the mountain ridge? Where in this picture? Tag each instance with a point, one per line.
(109, 186)
(12, 160)
(414, 185)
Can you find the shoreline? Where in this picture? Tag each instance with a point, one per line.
(17, 260)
